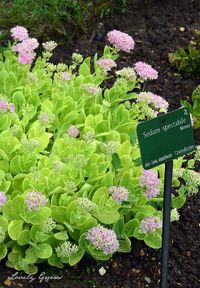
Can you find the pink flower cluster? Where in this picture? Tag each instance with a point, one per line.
(35, 200)
(26, 46)
(155, 101)
(73, 131)
(150, 224)
(106, 64)
(3, 199)
(150, 181)
(103, 239)
(65, 76)
(121, 41)
(19, 33)
(145, 71)
(6, 107)
(118, 193)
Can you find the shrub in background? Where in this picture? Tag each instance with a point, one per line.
(71, 179)
(47, 17)
(194, 107)
(188, 60)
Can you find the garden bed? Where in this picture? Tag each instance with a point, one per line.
(155, 27)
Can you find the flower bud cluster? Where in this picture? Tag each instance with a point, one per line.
(45, 118)
(175, 216)
(110, 147)
(86, 204)
(30, 145)
(66, 249)
(192, 179)
(48, 225)
(127, 73)
(70, 186)
(77, 58)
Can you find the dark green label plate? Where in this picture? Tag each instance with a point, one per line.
(165, 138)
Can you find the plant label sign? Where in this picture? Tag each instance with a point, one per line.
(165, 138)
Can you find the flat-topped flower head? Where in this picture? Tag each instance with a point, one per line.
(106, 64)
(103, 239)
(19, 33)
(118, 193)
(109, 147)
(25, 58)
(159, 103)
(73, 131)
(61, 67)
(151, 183)
(77, 160)
(25, 50)
(30, 145)
(154, 101)
(6, 107)
(127, 73)
(35, 200)
(65, 76)
(86, 204)
(66, 249)
(89, 136)
(192, 179)
(3, 198)
(26, 46)
(49, 45)
(48, 225)
(45, 118)
(150, 224)
(174, 216)
(30, 44)
(145, 71)
(57, 165)
(178, 172)
(77, 58)
(121, 41)
(70, 186)
(15, 129)
(91, 88)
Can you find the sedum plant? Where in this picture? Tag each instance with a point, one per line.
(71, 179)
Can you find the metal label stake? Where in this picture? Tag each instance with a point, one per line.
(161, 140)
(166, 224)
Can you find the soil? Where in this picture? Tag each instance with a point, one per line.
(155, 27)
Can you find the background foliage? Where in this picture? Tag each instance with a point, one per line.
(47, 17)
(188, 61)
